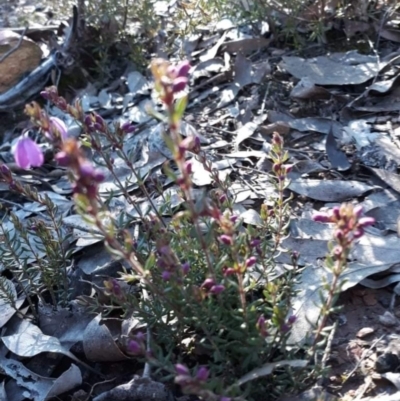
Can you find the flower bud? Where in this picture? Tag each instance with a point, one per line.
(366, 221)
(339, 234)
(134, 347)
(233, 218)
(208, 283)
(277, 139)
(86, 170)
(185, 267)
(140, 336)
(188, 167)
(45, 95)
(182, 69)
(358, 210)
(5, 171)
(336, 212)
(358, 233)
(276, 167)
(226, 239)
(322, 218)
(179, 84)
(202, 374)
(127, 127)
(166, 275)
(217, 289)
(288, 168)
(223, 198)
(58, 126)
(229, 271)
(255, 243)
(251, 261)
(98, 176)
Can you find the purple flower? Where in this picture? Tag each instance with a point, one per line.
(292, 319)
(202, 374)
(182, 370)
(166, 275)
(134, 347)
(185, 267)
(140, 336)
(27, 153)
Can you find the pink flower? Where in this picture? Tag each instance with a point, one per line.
(27, 153)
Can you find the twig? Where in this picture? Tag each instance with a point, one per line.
(329, 345)
(96, 384)
(361, 359)
(147, 367)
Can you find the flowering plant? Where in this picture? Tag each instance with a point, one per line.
(202, 279)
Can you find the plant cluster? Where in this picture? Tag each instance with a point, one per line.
(200, 282)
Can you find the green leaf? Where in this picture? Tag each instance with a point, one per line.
(180, 107)
(150, 262)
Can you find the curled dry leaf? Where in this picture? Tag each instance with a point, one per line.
(15, 63)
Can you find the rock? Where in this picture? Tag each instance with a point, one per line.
(364, 332)
(388, 319)
(387, 363)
